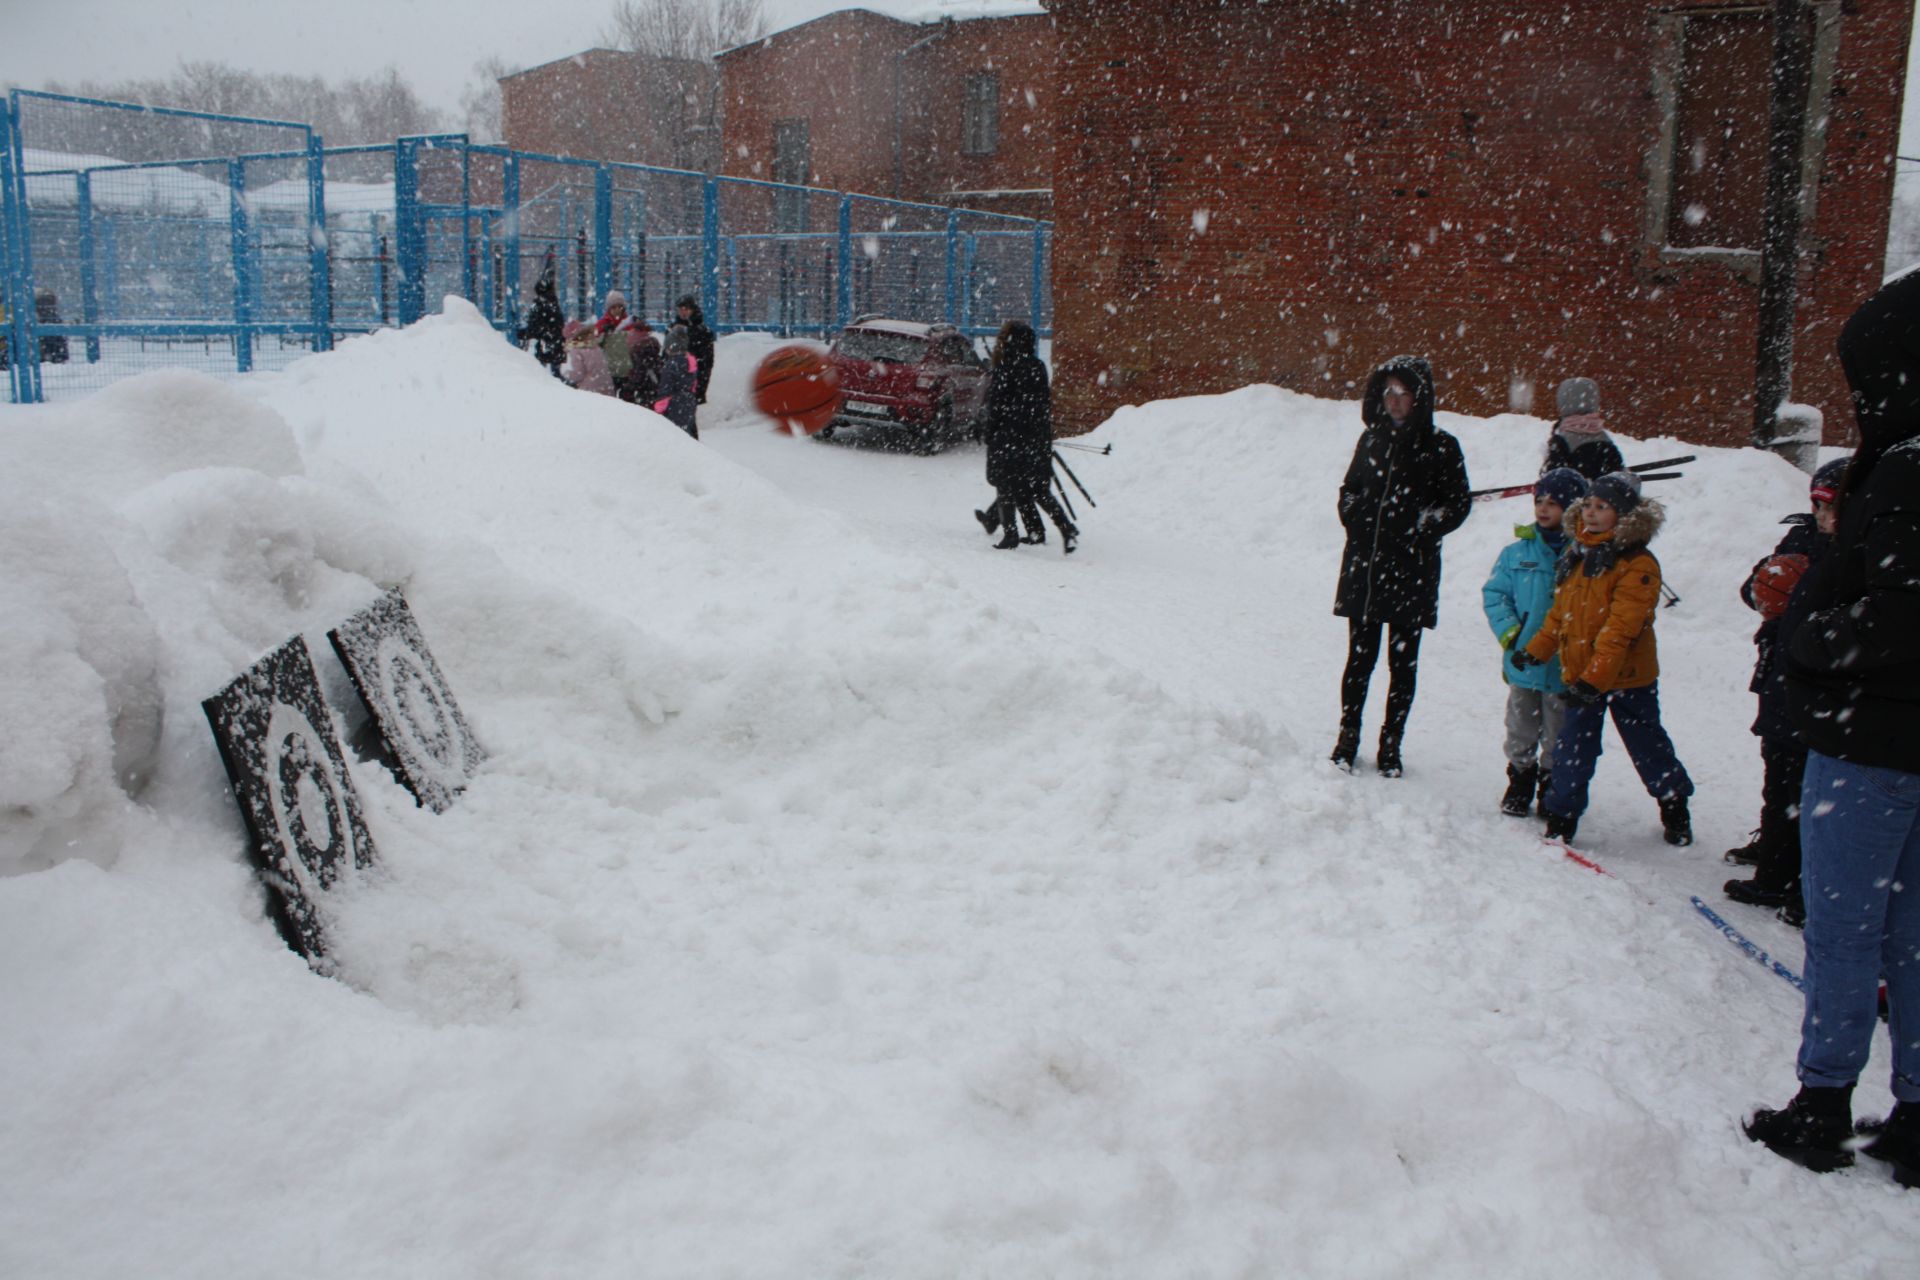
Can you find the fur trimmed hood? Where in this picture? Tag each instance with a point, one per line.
(1635, 529)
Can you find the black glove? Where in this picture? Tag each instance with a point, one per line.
(1522, 660)
(1583, 693)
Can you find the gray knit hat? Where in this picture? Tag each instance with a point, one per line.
(614, 296)
(1577, 395)
(1619, 490)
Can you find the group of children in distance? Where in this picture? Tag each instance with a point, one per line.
(1579, 584)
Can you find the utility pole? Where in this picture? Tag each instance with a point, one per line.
(1780, 248)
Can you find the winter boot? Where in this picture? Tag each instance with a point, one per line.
(1674, 822)
(1347, 747)
(1561, 829)
(989, 519)
(1896, 1140)
(1747, 855)
(1794, 914)
(1757, 893)
(1540, 798)
(1387, 760)
(1069, 538)
(1812, 1130)
(1520, 786)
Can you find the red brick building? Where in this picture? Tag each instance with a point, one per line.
(608, 104)
(955, 112)
(1289, 193)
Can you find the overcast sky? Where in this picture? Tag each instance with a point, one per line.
(435, 45)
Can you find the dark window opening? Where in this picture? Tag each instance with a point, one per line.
(981, 130)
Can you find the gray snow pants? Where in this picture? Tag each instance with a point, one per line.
(1534, 718)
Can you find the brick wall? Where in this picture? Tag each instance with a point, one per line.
(606, 104)
(1255, 192)
(838, 73)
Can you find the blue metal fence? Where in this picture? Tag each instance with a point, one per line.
(248, 258)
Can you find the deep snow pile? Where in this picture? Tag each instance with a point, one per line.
(843, 897)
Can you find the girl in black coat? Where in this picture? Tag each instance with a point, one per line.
(1405, 490)
(1019, 435)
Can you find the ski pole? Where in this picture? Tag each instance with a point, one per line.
(1103, 450)
(1076, 479)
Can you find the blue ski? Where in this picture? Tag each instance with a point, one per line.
(1741, 941)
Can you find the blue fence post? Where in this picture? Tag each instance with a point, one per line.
(1039, 276)
(242, 270)
(23, 365)
(468, 264)
(89, 300)
(510, 228)
(843, 295)
(602, 232)
(953, 266)
(110, 252)
(710, 248)
(319, 252)
(966, 277)
(410, 232)
(733, 281)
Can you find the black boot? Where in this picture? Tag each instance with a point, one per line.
(1674, 822)
(989, 519)
(1748, 854)
(1387, 760)
(1812, 1130)
(1561, 829)
(1540, 798)
(1794, 913)
(1520, 785)
(1896, 1140)
(1757, 893)
(1069, 538)
(1347, 747)
(1009, 526)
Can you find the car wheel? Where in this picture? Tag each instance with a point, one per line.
(826, 432)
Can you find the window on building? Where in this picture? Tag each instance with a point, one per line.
(981, 127)
(792, 162)
(1712, 80)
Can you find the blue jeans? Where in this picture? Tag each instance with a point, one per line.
(1636, 714)
(1860, 871)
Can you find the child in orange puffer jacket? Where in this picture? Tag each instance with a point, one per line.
(1601, 625)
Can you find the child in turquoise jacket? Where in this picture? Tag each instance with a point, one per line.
(1517, 595)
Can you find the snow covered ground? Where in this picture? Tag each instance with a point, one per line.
(844, 897)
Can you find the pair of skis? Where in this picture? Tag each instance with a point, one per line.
(1645, 470)
(1753, 950)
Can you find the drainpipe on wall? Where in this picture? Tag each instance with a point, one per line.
(1780, 244)
(899, 61)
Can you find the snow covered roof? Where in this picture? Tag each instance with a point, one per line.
(925, 13)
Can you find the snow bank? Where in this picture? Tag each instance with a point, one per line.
(840, 896)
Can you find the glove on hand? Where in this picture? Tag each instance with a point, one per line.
(1522, 660)
(1583, 693)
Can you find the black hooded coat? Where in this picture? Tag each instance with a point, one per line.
(545, 323)
(1852, 627)
(699, 343)
(1019, 419)
(1405, 490)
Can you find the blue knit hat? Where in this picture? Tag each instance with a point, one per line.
(1826, 481)
(1619, 490)
(1562, 484)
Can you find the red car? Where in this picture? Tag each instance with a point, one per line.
(923, 381)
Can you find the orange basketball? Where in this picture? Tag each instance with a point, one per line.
(797, 388)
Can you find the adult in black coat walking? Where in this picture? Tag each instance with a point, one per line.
(546, 323)
(1853, 692)
(699, 341)
(1405, 490)
(1019, 437)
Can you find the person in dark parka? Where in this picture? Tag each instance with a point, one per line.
(1405, 490)
(1580, 441)
(699, 341)
(1774, 850)
(544, 330)
(1019, 438)
(677, 397)
(1851, 639)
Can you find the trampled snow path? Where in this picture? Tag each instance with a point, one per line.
(845, 897)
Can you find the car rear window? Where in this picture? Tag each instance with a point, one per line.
(876, 344)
